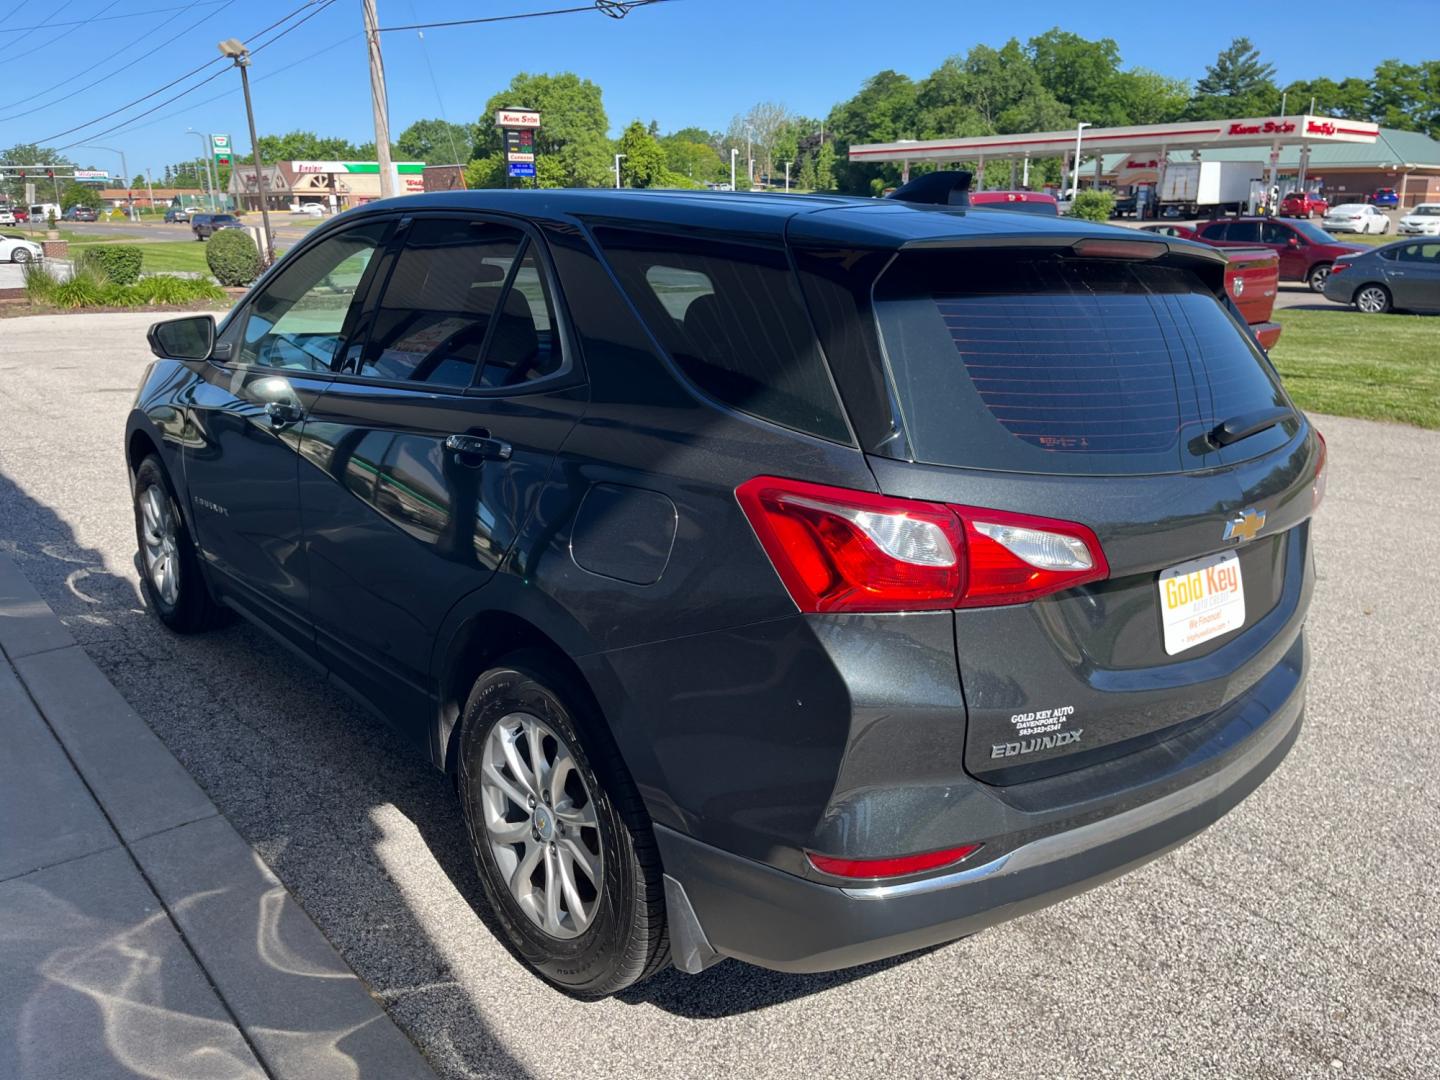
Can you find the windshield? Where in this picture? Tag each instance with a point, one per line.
(1432, 210)
(1053, 364)
(1313, 233)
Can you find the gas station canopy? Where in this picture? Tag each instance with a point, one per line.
(1270, 131)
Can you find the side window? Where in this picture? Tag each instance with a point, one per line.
(1215, 230)
(1247, 232)
(300, 318)
(439, 302)
(732, 317)
(1420, 253)
(1275, 234)
(524, 345)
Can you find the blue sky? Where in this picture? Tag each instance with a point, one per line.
(683, 62)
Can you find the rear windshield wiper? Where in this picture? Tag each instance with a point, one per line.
(1247, 424)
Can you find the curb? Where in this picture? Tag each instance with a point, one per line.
(300, 1010)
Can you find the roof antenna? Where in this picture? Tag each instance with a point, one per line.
(949, 187)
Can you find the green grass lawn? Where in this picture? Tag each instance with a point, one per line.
(160, 257)
(1379, 367)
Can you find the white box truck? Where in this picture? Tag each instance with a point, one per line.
(1202, 186)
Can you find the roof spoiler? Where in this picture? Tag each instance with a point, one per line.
(949, 187)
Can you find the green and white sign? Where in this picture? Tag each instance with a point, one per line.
(221, 148)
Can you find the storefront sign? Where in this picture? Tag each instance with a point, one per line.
(521, 168)
(1262, 127)
(92, 176)
(220, 148)
(517, 118)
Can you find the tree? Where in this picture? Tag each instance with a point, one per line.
(437, 142)
(1237, 84)
(883, 111)
(12, 185)
(1140, 96)
(572, 145)
(644, 162)
(694, 159)
(306, 146)
(75, 194)
(1076, 71)
(1349, 98)
(1407, 96)
(825, 167)
(754, 132)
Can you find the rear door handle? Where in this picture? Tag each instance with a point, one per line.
(283, 413)
(479, 446)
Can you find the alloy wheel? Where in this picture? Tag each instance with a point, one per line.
(541, 824)
(1318, 277)
(1372, 300)
(161, 544)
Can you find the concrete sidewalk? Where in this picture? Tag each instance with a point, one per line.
(140, 936)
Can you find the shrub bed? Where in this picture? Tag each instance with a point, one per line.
(118, 262)
(87, 288)
(233, 257)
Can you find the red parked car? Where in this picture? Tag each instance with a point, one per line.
(1304, 204)
(1180, 232)
(1306, 250)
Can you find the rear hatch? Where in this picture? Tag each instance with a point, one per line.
(1089, 390)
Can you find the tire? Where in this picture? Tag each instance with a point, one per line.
(616, 934)
(1319, 274)
(20, 255)
(1372, 299)
(171, 578)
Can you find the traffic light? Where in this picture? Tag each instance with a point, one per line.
(22, 174)
(49, 174)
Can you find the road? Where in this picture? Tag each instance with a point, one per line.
(1296, 938)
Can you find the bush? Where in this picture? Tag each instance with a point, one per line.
(233, 257)
(87, 287)
(1092, 205)
(118, 262)
(40, 283)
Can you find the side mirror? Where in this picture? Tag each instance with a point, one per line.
(1292, 242)
(191, 338)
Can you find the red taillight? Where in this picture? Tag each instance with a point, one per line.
(1317, 488)
(899, 866)
(1339, 267)
(842, 550)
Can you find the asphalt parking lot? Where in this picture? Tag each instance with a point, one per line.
(1297, 938)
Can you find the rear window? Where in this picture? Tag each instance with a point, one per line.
(1064, 365)
(731, 316)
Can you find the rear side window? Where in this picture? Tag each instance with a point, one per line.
(1064, 365)
(1246, 231)
(732, 318)
(1214, 231)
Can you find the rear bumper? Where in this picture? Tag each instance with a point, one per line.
(725, 905)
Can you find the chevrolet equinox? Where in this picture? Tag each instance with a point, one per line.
(798, 579)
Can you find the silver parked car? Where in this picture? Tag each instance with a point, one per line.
(1403, 276)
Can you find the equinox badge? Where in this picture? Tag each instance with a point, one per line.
(1245, 527)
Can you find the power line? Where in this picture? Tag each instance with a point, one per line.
(87, 22)
(46, 25)
(322, 5)
(173, 82)
(51, 41)
(616, 9)
(144, 36)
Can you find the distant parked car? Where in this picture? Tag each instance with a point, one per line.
(1403, 276)
(205, 226)
(176, 213)
(80, 213)
(1032, 202)
(1306, 250)
(1304, 204)
(22, 216)
(311, 209)
(7, 216)
(1424, 220)
(1125, 206)
(1385, 197)
(1180, 232)
(1356, 218)
(16, 250)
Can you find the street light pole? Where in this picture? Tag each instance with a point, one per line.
(1075, 171)
(787, 178)
(129, 199)
(617, 170)
(734, 152)
(241, 55)
(209, 178)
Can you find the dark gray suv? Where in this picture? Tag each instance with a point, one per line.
(803, 580)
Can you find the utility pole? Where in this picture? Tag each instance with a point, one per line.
(150, 186)
(734, 152)
(617, 170)
(787, 178)
(379, 103)
(241, 55)
(205, 178)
